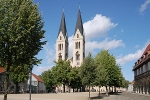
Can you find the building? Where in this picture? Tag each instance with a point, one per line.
(141, 71)
(37, 84)
(62, 43)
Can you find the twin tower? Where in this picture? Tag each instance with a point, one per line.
(62, 43)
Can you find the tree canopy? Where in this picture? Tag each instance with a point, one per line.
(21, 35)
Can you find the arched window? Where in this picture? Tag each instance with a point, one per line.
(62, 46)
(59, 46)
(60, 38)
(79, 45)
(77, 35)
(77, 56)
(60, 56)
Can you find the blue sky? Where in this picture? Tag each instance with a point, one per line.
(122, 26)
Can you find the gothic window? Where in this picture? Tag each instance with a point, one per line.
(62, 46)
(59, 46)
(60, 56)
(77, 56)
(76, 44)
(60, 38)
(77, 35)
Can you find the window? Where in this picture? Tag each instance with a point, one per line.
(77, 56)
(76, 45)
(77, 35)
(62, 46)
(78, 63)
(60, 38)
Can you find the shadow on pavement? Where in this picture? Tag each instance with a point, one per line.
(103, 95)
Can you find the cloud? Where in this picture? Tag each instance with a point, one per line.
(144, 6)
(132, 56)
(97, 27)
(105, 44)
(43, 68)
(50, 53)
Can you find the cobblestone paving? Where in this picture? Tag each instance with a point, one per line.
(77, 96)
(126, 96)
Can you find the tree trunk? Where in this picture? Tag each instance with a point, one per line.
(115, 89)
(109, 89)
(6, 81)
(89, 92)
(112, 89)
(73, 89)
(106, 91)
(16, 90)
(64, 88)
(99, 91)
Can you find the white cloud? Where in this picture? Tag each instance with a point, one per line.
(98, 26)
(105, 44)
(50, 53)
(144, 6)
(132, 56)
(43, 68)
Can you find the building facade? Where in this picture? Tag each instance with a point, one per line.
(62, 43)
(37, 84)
(141, 71)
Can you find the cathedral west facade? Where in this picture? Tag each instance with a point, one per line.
(62, 43)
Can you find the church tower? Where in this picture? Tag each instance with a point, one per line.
(62, 41)
(78, 42)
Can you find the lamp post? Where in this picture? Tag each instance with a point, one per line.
(30, 83)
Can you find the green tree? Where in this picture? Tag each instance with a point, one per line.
(61, 72)
(19, 74)
(101, 76)
(21, 35)
(87, 72)
(74, 78)
(109, 63)
(49, 79)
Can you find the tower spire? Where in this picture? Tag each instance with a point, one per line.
(62, 27)
(79, 24)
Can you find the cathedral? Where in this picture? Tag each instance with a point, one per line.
(62, 43)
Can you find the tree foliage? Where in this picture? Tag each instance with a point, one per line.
(74, 78)
(49, 79)
(61, 72)
(19, 74)
(87, 71)
(21, 35)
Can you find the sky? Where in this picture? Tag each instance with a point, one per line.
(120, 26)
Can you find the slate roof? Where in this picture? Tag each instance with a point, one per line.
(79, 24)
(62, 27)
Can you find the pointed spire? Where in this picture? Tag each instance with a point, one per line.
(63, 28)
(79, 24)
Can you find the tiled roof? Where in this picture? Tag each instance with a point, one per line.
(2, 69)
(38, 78)
(146, 50)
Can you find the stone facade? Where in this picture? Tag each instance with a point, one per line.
(62, 43)
(142, 73)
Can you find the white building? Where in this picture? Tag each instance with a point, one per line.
(62, 43)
